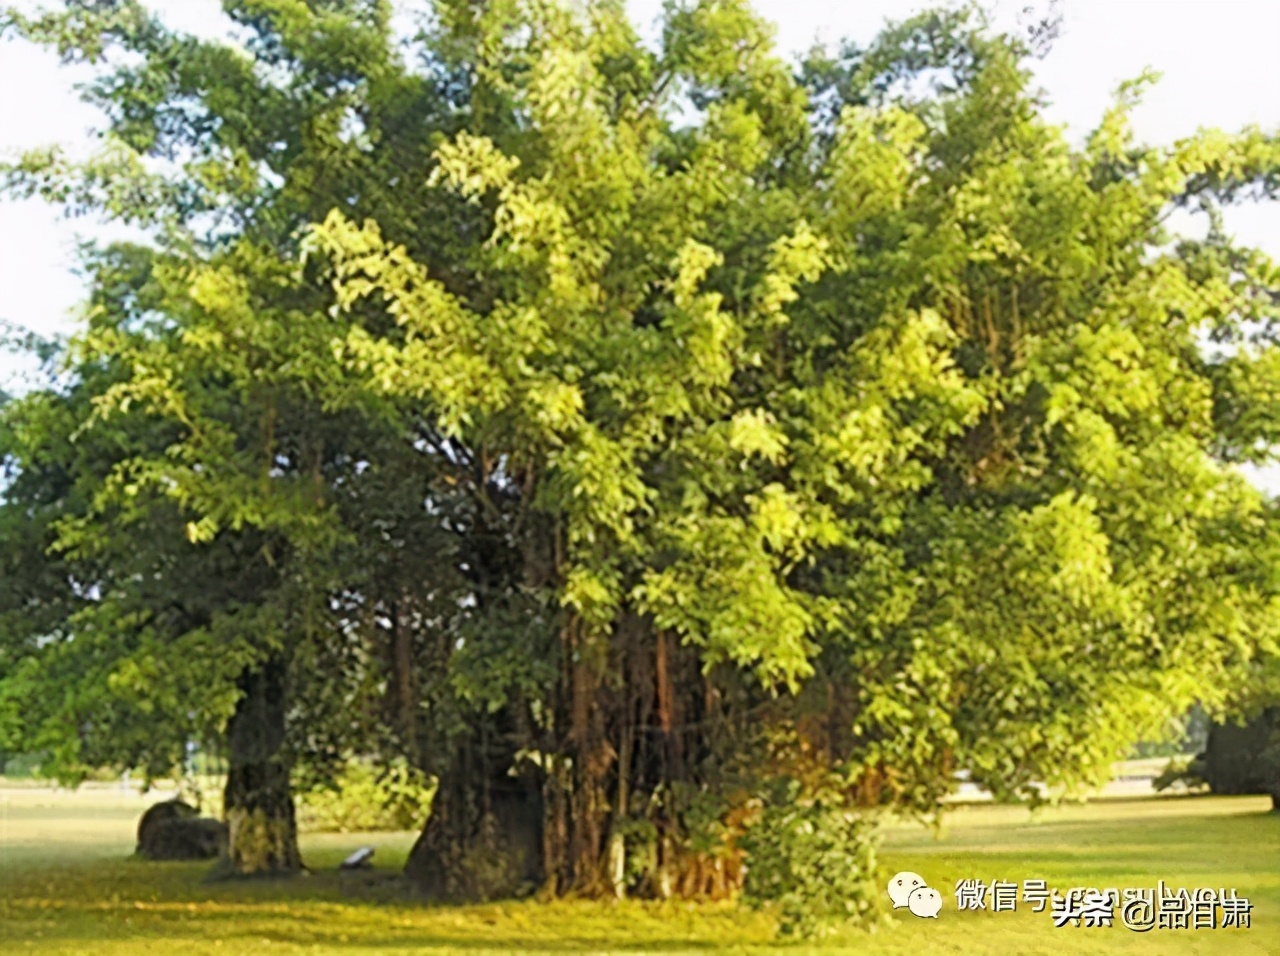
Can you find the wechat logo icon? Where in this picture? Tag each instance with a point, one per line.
(910, 890)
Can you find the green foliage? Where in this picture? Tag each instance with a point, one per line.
(192, 513)
(366, 797)
(813, 859)
(963, 478)
(1184, 735)
(499, 366)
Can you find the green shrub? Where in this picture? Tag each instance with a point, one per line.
(813, 859)
(366, 797)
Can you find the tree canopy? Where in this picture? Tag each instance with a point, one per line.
(618, 431)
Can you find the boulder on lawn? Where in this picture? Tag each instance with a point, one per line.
(158, 813)
(174, 830)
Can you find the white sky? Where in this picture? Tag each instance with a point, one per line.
(1218, 58)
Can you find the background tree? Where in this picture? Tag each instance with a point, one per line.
(1081, 534)
(221, 151)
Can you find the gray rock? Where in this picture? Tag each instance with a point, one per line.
(174, 830)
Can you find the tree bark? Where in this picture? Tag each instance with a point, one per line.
(593, 760)
(617, 863)
(491, 834)
(401, 690)
(627, 719)
(670, 718)
(258, 800)
(484, 838)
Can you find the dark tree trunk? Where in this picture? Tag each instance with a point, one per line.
(630, 725)
(671, 764)
(622, 732)
(484, 837)
(491, 835)
(1242, 759)
(593, 761)
(258, 800)
(669, 717)
(402, 694)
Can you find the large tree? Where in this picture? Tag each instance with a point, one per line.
(206, 347)
(675, 421)
(916, 416)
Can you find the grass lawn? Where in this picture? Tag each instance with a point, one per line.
(67, 887)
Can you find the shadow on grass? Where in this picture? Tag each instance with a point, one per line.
(126, 906)
(153, 904)
(242, 930)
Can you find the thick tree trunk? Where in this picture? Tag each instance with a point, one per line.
(629, 718)
(491, 835)
(258, 801)
(621, 732)
(1242, 759)
(484, 837)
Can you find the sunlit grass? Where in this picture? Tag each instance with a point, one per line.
(67, 886)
